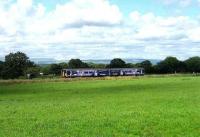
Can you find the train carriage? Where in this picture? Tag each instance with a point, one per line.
(102, 72)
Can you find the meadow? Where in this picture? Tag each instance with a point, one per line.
(143, 107)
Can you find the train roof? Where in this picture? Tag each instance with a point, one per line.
(102, 69)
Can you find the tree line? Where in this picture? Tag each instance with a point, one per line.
(19, 65)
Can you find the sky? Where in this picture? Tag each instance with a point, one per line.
(100, 29)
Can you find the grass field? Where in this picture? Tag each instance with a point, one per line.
(148, 107)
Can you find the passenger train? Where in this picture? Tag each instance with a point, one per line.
(70, 73)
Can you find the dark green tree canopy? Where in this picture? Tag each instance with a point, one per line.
(45, 69)
(77, 63)
(193, 64)
(1, 68)
(93, 65)
(15, 65)
(117, 63)
(55, 69)
(169, 65)
(147, 65)
(63, 65)
(33, 71)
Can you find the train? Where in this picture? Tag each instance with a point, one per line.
(71, 73)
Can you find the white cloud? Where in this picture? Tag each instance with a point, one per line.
(174, 35)
(24, 4)
(194, 34)
(83, 28)
(181, 3)
(77, 13)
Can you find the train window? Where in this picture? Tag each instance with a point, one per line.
(128, 71)
(74, 72)
(85, 72)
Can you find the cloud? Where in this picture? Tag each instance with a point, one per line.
(151, 26)
(173, 35)
(77, 13)
(94, 29)
(24, 4)
(181, 3)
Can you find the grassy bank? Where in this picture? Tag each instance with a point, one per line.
(148, 106)
(61, 79)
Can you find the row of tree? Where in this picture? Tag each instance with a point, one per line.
(173, 65)
(18, 64)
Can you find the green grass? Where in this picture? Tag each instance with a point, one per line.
(148, 107)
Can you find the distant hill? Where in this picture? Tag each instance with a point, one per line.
(45, 61)
(107, 61)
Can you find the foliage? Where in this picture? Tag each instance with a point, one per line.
(15, 65)
(147, 65)
(117, 63)
(93, 65)
(77, 63)
(63, 65)
(1, 68)
(33, 71)
(130, 65)
(149, 107)
(193, 64)
(45, 69)
(169, 65)
(55, 69)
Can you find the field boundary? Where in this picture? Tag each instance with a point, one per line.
(37, 80)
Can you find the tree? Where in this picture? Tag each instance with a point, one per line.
(130, 65)
(63, 65)
(55, 69)
(45, 69)
(77, 63)
(169, 65)
(117, 63)
(94, 65)
(147, 65)
(182, 67)
(1, 62)
(15, 65)
(33, 71)
(1, 68)
(193, 64)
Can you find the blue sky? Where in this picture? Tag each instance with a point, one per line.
(100, 29)
(156, 6)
